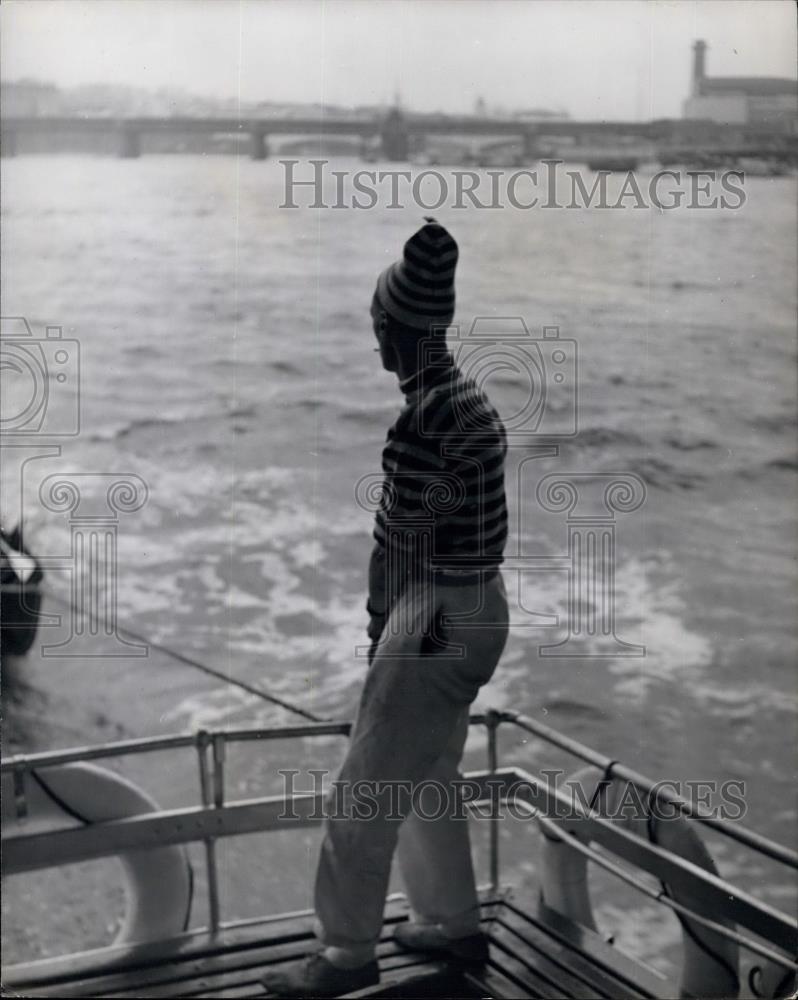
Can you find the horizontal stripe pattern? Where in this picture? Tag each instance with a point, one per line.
(418, 290)
(443, 502)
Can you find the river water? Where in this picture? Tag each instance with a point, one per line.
(226, 359)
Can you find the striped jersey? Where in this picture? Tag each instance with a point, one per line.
(443, 506)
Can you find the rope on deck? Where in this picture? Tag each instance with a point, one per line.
(190, 661)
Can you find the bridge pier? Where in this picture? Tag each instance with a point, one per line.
(258, 145)
(129, 143)
(395, 136)
(530, 145)
(8, 142)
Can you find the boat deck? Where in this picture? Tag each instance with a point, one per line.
(534, 953)
(535, 950)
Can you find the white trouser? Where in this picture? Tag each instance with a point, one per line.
(411, 728)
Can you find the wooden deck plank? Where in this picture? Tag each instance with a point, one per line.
(514, 985)
(173, 979)
(93, 966)
(515, 967)
(593, 952)
(491, 983)
(397, 973)
(245, 988)
(541, 940)
(558, 973)
(536, 954)
(236, 992)
(196, 976)
(101, 962)
(390, 959)
(161, 980)
(436, 980)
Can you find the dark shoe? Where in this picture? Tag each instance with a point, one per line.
(469, 950)
(316, 977)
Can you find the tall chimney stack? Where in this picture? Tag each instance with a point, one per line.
(699, 65)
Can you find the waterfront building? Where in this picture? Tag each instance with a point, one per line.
(771, 102)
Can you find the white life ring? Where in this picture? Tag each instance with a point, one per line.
(710, 965)
(159, 880)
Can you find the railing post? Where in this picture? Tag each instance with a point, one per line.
(492, 720)
(203, 740)
(219, 753)
(20, 801)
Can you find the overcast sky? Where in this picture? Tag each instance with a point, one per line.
(598, 58)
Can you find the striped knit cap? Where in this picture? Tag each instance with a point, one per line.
(419, 289)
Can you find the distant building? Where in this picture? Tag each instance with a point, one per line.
(771, 102)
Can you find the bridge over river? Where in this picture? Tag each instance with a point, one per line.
(393, 136)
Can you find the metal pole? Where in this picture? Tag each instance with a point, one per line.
(492, 720)
(203, 739)
(218, 769)
(20, 802)
(152, 743)
(557, 833)
(616, 769)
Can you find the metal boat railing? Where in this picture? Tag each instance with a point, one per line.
(219, 818)
(615, 769)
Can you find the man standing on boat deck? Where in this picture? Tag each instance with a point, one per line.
(438, 623)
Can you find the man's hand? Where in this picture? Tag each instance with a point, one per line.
(375, 626)
(375, 629)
